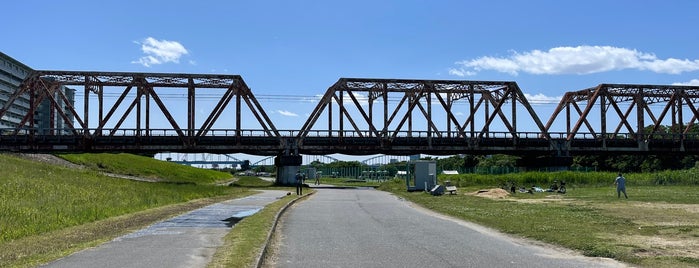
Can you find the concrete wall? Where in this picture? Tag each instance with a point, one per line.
(286, 175)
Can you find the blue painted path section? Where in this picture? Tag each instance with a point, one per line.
(188, 240)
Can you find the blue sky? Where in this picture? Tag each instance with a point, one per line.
(302, 47)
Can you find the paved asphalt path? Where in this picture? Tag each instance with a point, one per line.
(188, 240)
(371, 228)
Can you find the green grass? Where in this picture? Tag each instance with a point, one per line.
(147, 167)
(589, 219)
(38, 199)
(544, 179)
(251, 182)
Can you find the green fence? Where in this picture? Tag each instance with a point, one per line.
(358, 173)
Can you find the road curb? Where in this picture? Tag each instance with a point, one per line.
(265, 249)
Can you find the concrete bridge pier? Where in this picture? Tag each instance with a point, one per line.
(287, 167)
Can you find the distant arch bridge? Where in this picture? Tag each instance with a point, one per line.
(226, 160)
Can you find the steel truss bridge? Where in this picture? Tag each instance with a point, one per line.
(355, 116)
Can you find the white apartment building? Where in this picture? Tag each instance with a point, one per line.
(12, 73)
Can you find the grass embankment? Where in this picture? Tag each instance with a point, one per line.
(658, 226)
(146, 167)
(47, 211)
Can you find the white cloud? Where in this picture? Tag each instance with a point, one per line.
(693, 82)
(461, 72)
(575, 60)
(286, 113)
(541, 99)
(160, 51)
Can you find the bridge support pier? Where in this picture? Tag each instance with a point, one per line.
(287, 167)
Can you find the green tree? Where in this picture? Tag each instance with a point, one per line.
(645, 163)
(471, 160)
(317, 164)
(498, 161)
(455, 162)
(393, 168)
(263, 168)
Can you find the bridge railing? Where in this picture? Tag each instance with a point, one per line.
(411, 134)
(122, 132)
(6, 132)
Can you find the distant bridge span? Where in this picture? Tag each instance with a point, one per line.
(355, 116)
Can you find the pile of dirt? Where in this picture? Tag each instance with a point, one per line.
(495, 193)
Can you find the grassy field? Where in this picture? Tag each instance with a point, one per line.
(147, 167)
(658, 226)
(39, 200)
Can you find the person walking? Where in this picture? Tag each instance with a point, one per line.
(299, 183)
(620, 183)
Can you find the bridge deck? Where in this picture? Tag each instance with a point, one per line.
(402, 145)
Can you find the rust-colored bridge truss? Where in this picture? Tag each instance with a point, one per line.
(137, 92)
(636, 126)
(354, 116)
(353, 129)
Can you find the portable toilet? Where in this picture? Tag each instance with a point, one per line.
(424, 175)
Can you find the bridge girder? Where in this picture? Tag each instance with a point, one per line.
(137, 92)
(601, 99)
(417, 97)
